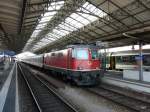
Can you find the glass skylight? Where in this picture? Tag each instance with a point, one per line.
(51, 11)
(53, 35)
(35, 33)
(83, 16)
(40, 26)
(46, 17)
(46, 40)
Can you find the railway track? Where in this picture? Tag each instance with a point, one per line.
(26, 101)
(121, 99)
(45, 97)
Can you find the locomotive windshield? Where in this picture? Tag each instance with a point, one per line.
(82, 54)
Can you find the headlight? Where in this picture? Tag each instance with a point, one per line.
(80, 68)
(97, 67)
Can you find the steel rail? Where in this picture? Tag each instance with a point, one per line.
(31, 91)
(51, 90)
(120, 99)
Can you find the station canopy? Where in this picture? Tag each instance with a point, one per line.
(42, 25)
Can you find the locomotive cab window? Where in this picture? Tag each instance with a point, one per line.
(94, 54)
(73, 53)
(82, 54)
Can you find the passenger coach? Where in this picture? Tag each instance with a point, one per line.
(127, 60)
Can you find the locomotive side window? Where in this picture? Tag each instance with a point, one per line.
(60, 54)
(82, 54)
(94, 54)
(53, 54)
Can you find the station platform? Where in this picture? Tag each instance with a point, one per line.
(115, 74)
(4, 72)
(116, 78)
(7, 87)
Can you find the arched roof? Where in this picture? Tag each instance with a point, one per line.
(42, 25)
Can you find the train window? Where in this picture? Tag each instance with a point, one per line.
(129, 59)
(125, 59)
(82, 54)
(146, 60)
(94, 54)
(132, 59)
(119, 59)
(53, 54)
(60, 54)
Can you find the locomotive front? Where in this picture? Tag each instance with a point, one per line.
(86, 65)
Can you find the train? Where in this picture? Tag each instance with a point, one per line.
(126, 60)
(79, 64)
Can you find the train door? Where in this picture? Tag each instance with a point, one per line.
(112, 62)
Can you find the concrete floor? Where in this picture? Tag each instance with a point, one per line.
(7, 92)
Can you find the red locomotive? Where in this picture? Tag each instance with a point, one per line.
(77, 63)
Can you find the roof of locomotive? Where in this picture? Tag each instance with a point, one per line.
(76, 46)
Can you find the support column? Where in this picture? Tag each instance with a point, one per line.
(140, 62)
